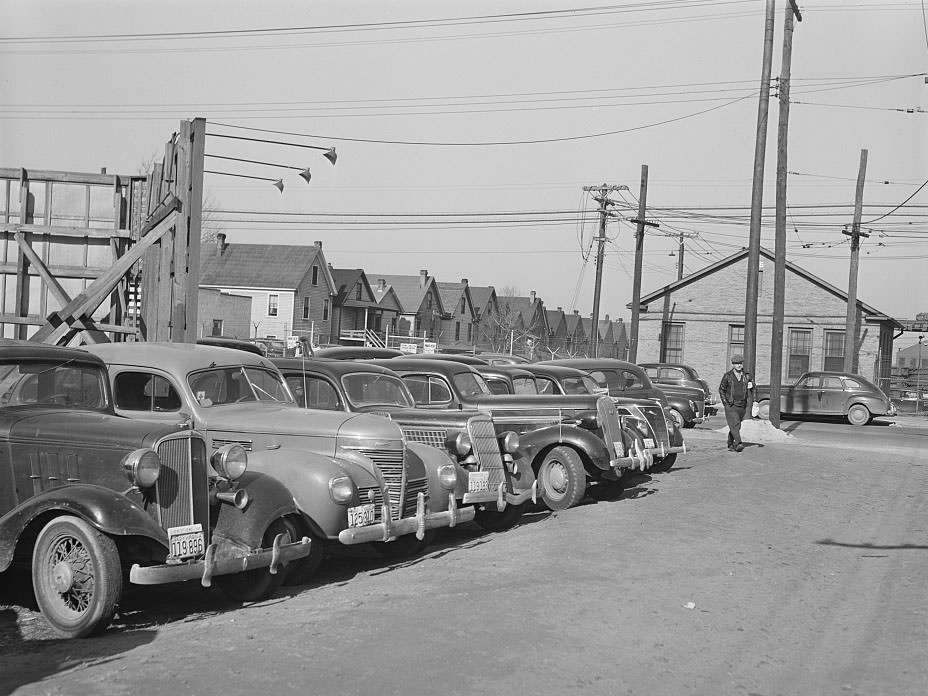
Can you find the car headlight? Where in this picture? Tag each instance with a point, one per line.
(692, 406)
(509, 442)
(461, 445)
(230, 461)
(142, 467)
(341, 488)
(447, 476)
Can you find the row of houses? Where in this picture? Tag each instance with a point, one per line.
(255, 290)
(278, 291)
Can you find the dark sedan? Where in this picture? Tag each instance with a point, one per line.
(830, 394)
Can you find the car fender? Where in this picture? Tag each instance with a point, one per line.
(107, 510)
(431, 459)
(591, 447)
(268, 500)
(682, 405)
(873, 405)
(306, 475)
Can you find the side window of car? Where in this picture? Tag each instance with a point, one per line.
(852, 383)
(651, 372)
(497, 386)
(545, 385)
(632, 381)
(418, 387)
(832, 383)
(672, 373)
(439, 393)
(810, 382)
(143, 391)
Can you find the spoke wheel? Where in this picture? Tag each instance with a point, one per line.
(562, 478)
(677, 418)
(260, 583)
(76, 576)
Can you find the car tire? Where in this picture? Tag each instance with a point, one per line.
(258, 584)
(303, 570)
(763, 409)
(405, 546)
(492, 520)
(76, 576)
(561, 478)
(858, 414)
(678, 418)
(664, 463)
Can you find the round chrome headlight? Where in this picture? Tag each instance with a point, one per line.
(341, 488)
(447, 476)
(142, 467)
(230, 461)
(509, 442)
(461, 444)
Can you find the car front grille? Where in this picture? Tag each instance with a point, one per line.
(182, 490)
(391, 464)
(612, 429)
(247, 445)
(435, 437)
(486, 447)
(655, 416)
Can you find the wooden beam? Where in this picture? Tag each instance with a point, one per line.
(22, 262)
(102, 233)
(66, 177)
(76, 272)
(39, 266)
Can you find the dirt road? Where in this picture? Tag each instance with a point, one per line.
(786, 569)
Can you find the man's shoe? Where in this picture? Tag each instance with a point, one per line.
(739, 447)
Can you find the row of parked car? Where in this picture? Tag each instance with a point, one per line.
(153, 463)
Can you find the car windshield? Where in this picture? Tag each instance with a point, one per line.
(470, 384)
(67, 384)
(617, 380)
(368, 389)
(232, 385)
(578, 385)
(525, 385)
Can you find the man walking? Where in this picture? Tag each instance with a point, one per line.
(736, 392)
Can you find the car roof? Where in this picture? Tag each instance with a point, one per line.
(508, 370)
(333, 368)
(451, 357)
(554, 370)
(356, 352)
(176, 358)
(18, 350)
(225, 342)
(447, 368)
(593, 363)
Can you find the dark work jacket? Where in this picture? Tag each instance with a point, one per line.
(735, 392)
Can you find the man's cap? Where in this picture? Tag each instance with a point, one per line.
(737, 359)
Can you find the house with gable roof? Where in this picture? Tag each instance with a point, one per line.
(290, 286)
(557, 333)
(356, 308)
(486, 320)
(457, 324)
(524, 319)
(576, 342)
(420, 302)
(699, 320)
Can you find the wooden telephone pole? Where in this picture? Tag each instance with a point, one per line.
(604, 202)
(850, 327)
(639, 258)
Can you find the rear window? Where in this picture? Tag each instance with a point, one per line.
(66, 384)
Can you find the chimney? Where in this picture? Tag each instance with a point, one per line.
(560, 309)
(423, 275)
(531, 297)
(318, 244)
(221, 242)
(607, 318)
(576, 311)
(381, 285)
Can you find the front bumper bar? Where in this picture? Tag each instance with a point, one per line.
(388, 529)
(204, 569)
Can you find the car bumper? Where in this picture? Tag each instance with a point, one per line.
(209, 566)
(663, 450)
(502, 497)
(389, 529)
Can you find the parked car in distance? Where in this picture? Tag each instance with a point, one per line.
(503, 359)
(356, 353)
(90, 498)
(273, 347)
(566, 439)
(508, 378)
(492, 476)
(829, 394)
(624, 379)
(680, 375)
(352, 475)
(228, 342)
(465, 358)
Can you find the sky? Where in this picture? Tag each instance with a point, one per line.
(466, 132)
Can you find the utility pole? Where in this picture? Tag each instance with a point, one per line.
(850, 326)
(757, 196)
(639, 258)
(779, 263)
(604, 203)
(680, 259)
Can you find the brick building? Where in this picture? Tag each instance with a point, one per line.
(699, 320)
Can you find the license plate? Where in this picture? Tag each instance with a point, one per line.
(619, 448)
(186, 542)
(649, 442)
(478, 481)
(361, 516)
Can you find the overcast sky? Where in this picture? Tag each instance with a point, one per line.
(466, 132)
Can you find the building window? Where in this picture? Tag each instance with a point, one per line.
(306, 308)
(457, 331)
(463, 305)
(357, 292)
(800, 350)
(834, 351)
(673, 342)
(470, 333)
(735, 341)
(217, 327)
(272, 300)
(325, 310)
(315, 280)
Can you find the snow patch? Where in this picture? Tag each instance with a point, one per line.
(757, 430)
